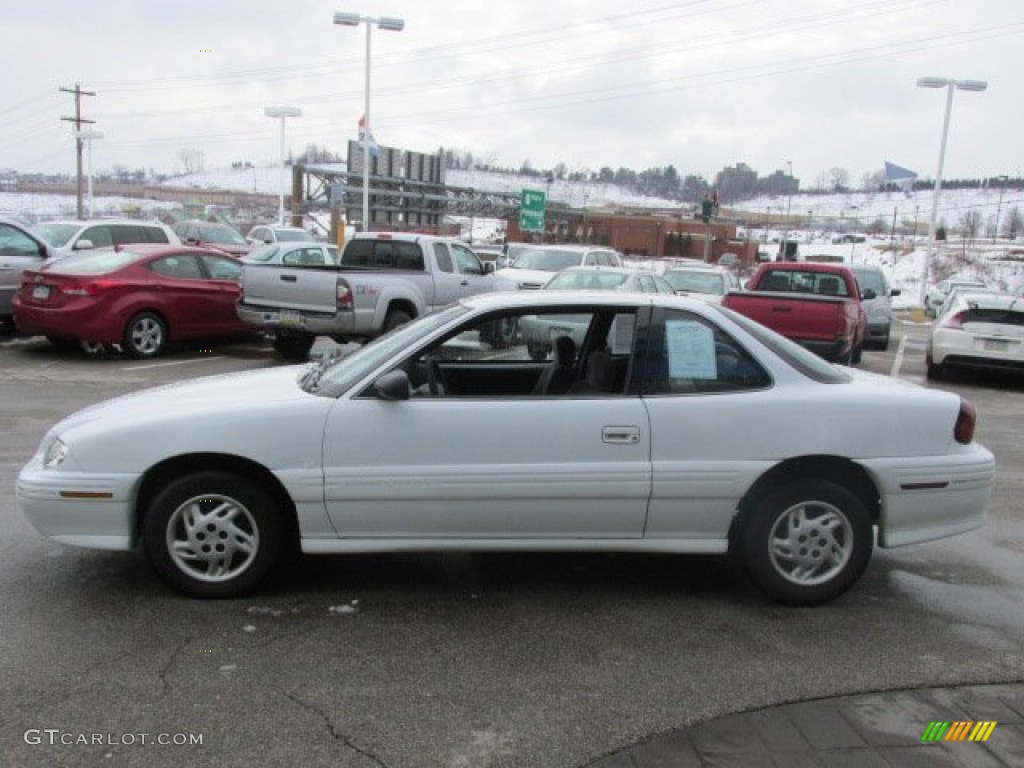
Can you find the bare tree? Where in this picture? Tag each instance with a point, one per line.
(840, 178)
(192, 160)
(1013, 224)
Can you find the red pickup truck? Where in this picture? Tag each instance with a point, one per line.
(815, 305)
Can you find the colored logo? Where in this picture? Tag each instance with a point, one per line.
(958, 730)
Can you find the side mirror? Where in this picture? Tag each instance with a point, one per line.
(895, 292)
(393, 385)
(488, 267)
(869, 294)
(83, 245)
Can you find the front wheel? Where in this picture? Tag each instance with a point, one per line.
(807, 543)
(145, 336)
(212, 535)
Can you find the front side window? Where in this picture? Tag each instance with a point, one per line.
(14, 242)
(98, 236)
(468, 262)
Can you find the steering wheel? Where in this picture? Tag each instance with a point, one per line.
(435, 380)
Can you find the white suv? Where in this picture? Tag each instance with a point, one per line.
(535, 265)
(69, 236)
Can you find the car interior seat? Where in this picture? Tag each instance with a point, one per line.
(828, 285)
(560, 374)
(599, 374)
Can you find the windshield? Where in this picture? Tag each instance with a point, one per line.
(696, 281)
(293, 236)
(547, 260)
(807, 363)
(57, 235)
(221, 234)
(870, 280)
(339, 376)
(263, 253)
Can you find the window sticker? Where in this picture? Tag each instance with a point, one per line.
(691, 350)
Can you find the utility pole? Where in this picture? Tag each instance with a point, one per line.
(78, 120)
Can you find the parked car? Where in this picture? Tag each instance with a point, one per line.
(935, 296)
(878, 307)
(539, 333)
(978, 331)
(816, 305)
(20, 249)
(702, 282)
(140, 298)
(297, 254)
(69, 236)
(263, 234)
(534, 265)
(211, 234)
(384, 279)
(429, 439)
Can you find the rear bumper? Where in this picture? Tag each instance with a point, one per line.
(317, 323)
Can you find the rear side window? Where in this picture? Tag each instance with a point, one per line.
(100, 237)
(182, 265)
(688, 355)
(383, 254)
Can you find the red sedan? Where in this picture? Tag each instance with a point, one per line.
(141, 297)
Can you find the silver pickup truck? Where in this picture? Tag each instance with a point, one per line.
(384, 280)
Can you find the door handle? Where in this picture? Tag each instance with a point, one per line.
(289, 278)
(620, 435)
(778, 308)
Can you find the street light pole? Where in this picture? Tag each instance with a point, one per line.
(282, 113)
(999, 208)
(388, 24)
(950, 85)
(88, 136)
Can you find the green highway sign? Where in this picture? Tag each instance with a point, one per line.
(531, 210)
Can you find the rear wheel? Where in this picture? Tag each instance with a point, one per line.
(145, 336)
(934, 372)
(807, 543)
(294, 346)
(395, 318)
(212, 535)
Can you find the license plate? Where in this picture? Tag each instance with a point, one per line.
(996, 345)
(291, 319)
(40, 291)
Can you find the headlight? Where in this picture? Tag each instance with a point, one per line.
(55, 454)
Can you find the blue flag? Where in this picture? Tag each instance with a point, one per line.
(895, 174)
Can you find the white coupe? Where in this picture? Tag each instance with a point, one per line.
(676, 426)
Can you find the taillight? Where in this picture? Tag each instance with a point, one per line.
(963, 431)
(343, 294)
(91, 288)
(954, 321)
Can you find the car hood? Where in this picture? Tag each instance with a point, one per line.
(261, 415)
(516, 279)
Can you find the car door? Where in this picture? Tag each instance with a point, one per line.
(18, 252)
(225, 273)
(446, 277)
(474, 279)
(191, 302)
(473, 468)
(712, 430)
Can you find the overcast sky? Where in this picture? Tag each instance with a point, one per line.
(698, 84)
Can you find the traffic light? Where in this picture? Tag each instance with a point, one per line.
(706, 208)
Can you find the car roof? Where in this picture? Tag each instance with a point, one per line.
(598, 268)
(992, 300)
(514, 299)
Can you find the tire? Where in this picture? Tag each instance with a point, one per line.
(294, 346)
(856, 353)
(883, 344)
(145, 336)
(806, 543)
(934, 372)
(395, 318)
(63, 343)
(212, 535)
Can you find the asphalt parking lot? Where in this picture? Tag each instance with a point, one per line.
(462, 660)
